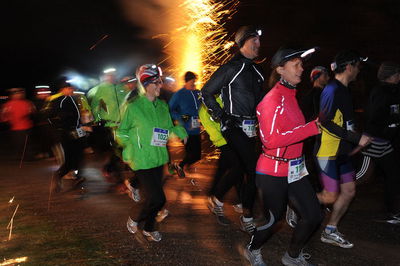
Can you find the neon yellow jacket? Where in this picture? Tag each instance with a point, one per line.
(212, 128)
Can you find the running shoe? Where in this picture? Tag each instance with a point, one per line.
(171, 169)
(253, 256)
(153, 236)
(291, 217)
(238, 208)
(247, 227)
(133, 193)
(393, 219)
(179, 170)
(335, 238)
(161, 215)
(301, 260)
(131, 225)
(218, 211)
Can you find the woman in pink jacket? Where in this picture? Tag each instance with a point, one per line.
(280, 167)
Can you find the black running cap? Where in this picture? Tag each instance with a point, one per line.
(286, 54)
(346, 57)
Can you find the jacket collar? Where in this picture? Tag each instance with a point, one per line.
(285, 90)
(239, 57)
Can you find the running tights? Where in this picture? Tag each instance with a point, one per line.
(275, 193)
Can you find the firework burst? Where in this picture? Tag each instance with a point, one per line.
(199, 41)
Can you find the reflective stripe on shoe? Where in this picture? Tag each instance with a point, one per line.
(218, 211)
(291, 217)
(248, 227)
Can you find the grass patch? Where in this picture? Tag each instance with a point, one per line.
(37, 238)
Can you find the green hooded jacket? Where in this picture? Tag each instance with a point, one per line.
(136, 131)
(106, 100)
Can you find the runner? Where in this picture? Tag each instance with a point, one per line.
(239, 82)
(144, 131)
(336, 142)
(280, 168)
(184, 107)
(383, 122)
(229, 172)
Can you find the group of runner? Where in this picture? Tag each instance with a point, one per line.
(280, 171)
(135, 125)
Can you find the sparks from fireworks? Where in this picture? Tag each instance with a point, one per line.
(10, 224)
(11, 200)
(13, 261)
(199, 41)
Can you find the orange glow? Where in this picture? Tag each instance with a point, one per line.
(13, 261)
(193, 32)
(199, 41)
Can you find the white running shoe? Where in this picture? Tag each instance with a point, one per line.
(253, 256)
(153, 236)
(132, 226)
(161, 215)
(238, 208)
(301, 260)
(336, 238)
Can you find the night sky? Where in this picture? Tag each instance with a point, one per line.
(42, 38)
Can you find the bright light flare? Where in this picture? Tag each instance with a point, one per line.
(199, 41)
(11, 200)
(13, 261)
(109, 70)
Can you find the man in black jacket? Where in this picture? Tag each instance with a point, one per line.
(239, 84)
(383, 123)
(63, 112)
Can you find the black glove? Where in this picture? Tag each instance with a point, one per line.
(227, 121)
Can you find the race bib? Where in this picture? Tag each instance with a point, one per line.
(80, 132)
(195, 122)
(350, 125)
(160, 137)
(297, 170)
(394, 109)
(249, 127)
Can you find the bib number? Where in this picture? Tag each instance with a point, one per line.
(249, 127)
(297, 170)
(350, 125)
(195, 122)
(80, 132)
(394, 109)
(160, 137)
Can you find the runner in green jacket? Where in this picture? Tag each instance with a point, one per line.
(144, 131)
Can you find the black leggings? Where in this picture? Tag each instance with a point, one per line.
(388, 165)
(73, 155)
(245, 149)
(228, 174)
(276, 192)
(151, 182)
(192, 150)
